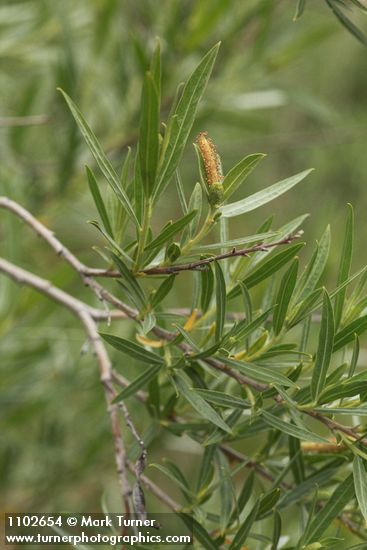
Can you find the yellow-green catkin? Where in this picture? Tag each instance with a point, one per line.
(213, 169)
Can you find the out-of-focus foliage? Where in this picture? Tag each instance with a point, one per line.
(293, 90)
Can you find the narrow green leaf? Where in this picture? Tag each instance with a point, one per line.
(198, 403)
(184, 114)
(347, 334)
(155, 67)
(324, 349)
(291, 429)
(360, 484)
(199, 532)
(113, 244)
(277, 530)
(222, 399)
(355, 356)
(313, 273)
(97, 197)
(262, 197)
(299, 9)
(311, 515)
(163, 290)
(101, 159)
(239, 173)
(206, 469)
(303, 309)
(207, 287)
(267, 502)
(265, 269)
(132, 349)
(181, 193)
(284, 296)
(348, 411)
(283, 232)
(138, 383)
(243, 532)
(262, 374)
(347, 388)
(347, 23)
(171, 230)
(130, 280)
(206, 352)
(303, 489)
(235, 242)
(220, 298)
(148, 145)
(174, 475)
(226, 490)
(295, 455)
(195, 203)
(243, 329)
(245, 494)
(186, 336)
(333, 507)
(345, 263)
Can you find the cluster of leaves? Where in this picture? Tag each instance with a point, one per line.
(340, 8)
(243, 362)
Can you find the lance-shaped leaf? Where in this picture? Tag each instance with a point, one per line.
(345, 263)
(291, 429)
(198, 403)
(267, 267)
(243, 532)
(277, 530)
(132, 349)
(346, 22)
(360, 484)
(199, 532)
(267, 502)
(163, 290)
(175, 475)
(299, 9)
(148, 145)
(316, 266)
(207, 286)
(243, 329)
(224, 400)
(138, 383)
(244, 496)
(97, 197)
(262, 197)
(220, 298)
(318, 479)
(184, 115)
(346, 388)
(226, 490)
(130, 281)
(206, 471)
(262, 374)
(333, 507)
(171, 230)
(347, 334)
(104, 164)
(284, 296)
(235, 242)
(324, 349)
(237, 175)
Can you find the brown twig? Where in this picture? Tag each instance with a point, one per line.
(88, 318)
(202, 264)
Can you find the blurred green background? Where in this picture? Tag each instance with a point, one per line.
(294, 90)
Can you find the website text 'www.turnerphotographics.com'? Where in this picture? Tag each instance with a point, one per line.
(97, 529)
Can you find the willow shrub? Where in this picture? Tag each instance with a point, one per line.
(239, 363)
